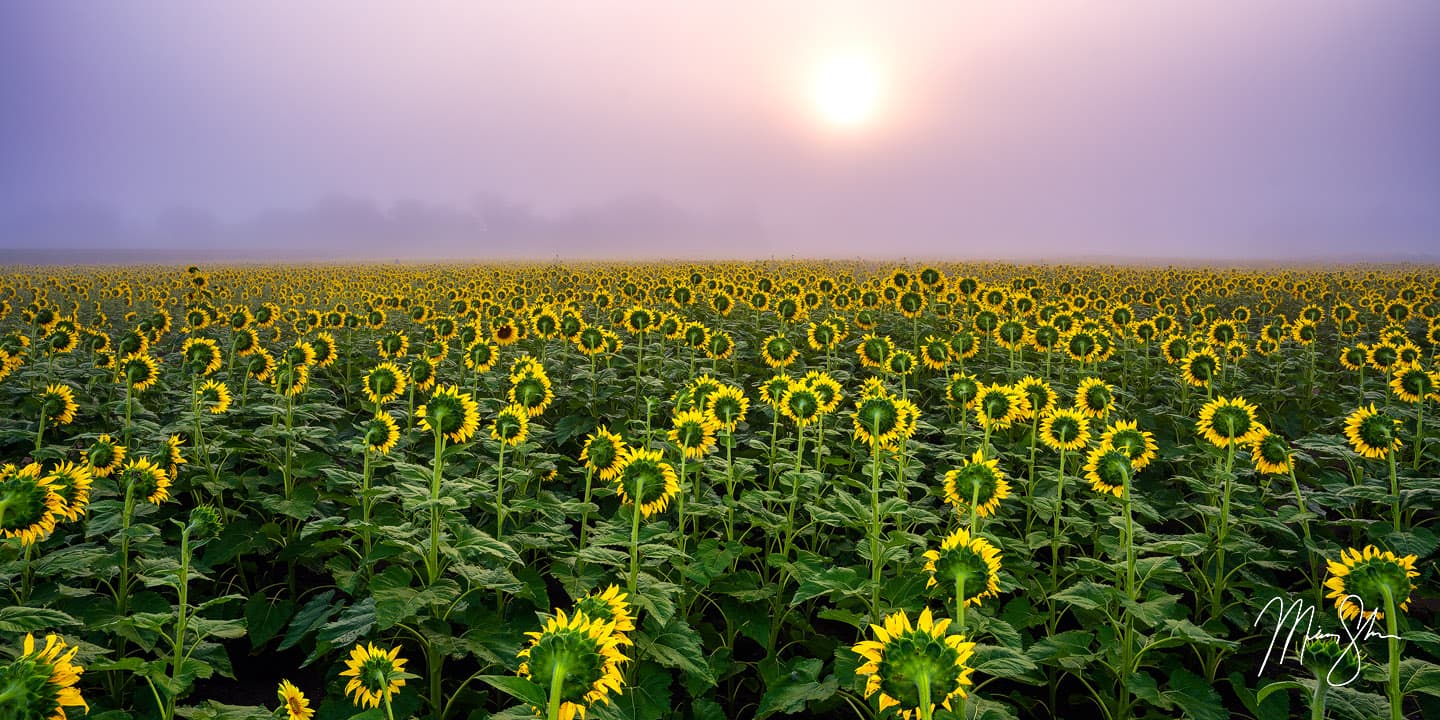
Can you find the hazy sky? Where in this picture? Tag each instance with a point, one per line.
(1189, 129)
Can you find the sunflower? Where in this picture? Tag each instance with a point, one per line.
(532, 391)
(202, 355)
(978, 479)
(214, 396)
(727, 405)
(104, 456)
(58, 403)
(1354, 357)
(1139, 445)
(1041, 398)
(877, 419)
(778, 352)
(935, 353)
(969, 558)
(774, 389)
(421, 372)
(694, 433)
(998, 406)
(1229, 421)
(512, 425)
(826, 388)
(961, 390)
(1371, 434)
(380, 433)
(578, 657)
(29, 504)
(1094, 398)
(720, 345)
(323, 345)
(1383, 356)
(451, 413)
(1412, 383)
(874, 350)
(290, 380)
(1200, 367)
(393, 345)
(644, 478)
(1271, 454)
(801, 405)
(602, 453)
(384, 383)
(296, 706)
(608, 606)
(41, 683)
(148, 480)
(1108, 469)
(1361, 579)
(1065, 429)
(904, 658)
(480, 356)
(72, 483)
(375, 675)
(261, 365)
(901, 362)
(139, 371)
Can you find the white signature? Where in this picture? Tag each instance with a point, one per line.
(1300, 618)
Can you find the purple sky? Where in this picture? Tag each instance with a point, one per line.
(1280, 129)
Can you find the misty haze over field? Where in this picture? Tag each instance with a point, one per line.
(366, 130)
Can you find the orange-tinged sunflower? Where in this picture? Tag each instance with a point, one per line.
(105, 456)
(146, 480)
(72, 483)
(1108, 470)
(1271, 454)
(1094, 398)
(214, 396)
(380, 433)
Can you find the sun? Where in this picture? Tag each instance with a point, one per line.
(847, 91)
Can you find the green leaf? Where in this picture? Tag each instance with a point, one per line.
(1086, 595)
(795, 687)
(19, 619)
(1195, 696)
(264, 617)
(354, 623)
(675, 645)
(310, 617)
(518, 688)
(1265, 692)
(1418, 676)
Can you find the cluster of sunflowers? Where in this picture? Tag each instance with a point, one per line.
(303, 404)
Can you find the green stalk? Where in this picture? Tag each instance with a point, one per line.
(557, 681)
(40, 433)
(1394, 492)
(432, 560)
(183, 585)
(585, 515)
(1419, 430)
(635, 535)
(1055, 534)
(922, 684)
(875, 525)
(1317, 700)
(500, 494)
(1393, 641)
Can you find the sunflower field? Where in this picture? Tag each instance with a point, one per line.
(746, 490)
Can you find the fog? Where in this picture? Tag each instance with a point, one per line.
(1288, 129)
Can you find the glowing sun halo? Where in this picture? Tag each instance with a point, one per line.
(847, 91)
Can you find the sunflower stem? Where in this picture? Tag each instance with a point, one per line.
(1317, 699)
(927, 707)
(500, 494)
(432, 559)
(40, 432)
(635, 534)
(1419, 430)
(1392, 639)
(875, 524)
(557, 682)
(1394, 492)
(1055, 534)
